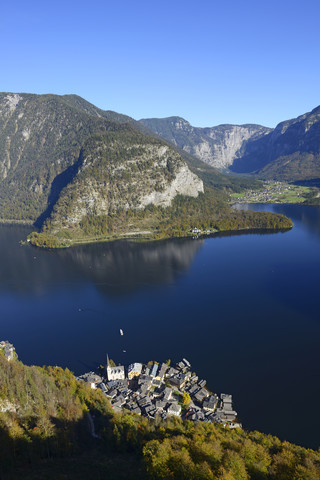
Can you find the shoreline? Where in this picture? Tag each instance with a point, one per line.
(141, 238)
(5, 221)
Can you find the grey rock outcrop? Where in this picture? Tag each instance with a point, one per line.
(290, 152)
(217, 146)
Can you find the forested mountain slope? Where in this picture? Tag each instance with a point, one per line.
(46, 432)
(42, 138)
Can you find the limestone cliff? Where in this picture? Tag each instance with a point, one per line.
(217, 146)
(120, 171)
(290, 152)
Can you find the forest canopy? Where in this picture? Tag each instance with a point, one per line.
(45, 433)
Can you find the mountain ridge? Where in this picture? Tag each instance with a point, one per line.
(289, 152)
(217, 146)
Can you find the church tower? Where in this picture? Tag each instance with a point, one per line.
(108, 368)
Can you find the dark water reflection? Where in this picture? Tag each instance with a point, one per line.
(244, 309)
(116, 268)
(124, 267)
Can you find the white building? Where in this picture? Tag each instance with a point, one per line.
(115, 373)
(174, 409)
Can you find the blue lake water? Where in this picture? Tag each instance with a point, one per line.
(243, 309)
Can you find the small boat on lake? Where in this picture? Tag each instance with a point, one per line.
(121, 331)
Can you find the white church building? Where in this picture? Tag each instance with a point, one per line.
(115, 373)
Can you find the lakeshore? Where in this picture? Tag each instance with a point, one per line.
(155, 389)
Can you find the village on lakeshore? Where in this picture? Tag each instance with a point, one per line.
(162, 390)
(155, 389)
(276, 192)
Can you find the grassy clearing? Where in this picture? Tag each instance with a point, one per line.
(237, 195)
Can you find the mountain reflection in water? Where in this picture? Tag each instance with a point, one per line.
(123, 267)
(116, 268)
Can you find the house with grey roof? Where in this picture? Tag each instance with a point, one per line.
(226, 398)
(143, 389)
(178, 380)
(196, 416)
(193, 389)
(167, 394)
(174, 409)
(143, 401)
(136, 410)
(187, 364)
(201, 395)
(180, 366)
(162, 371)
(156, 383)
(102, 387)
(91, 378)
(150, 410)
(145, 379)
(172, 371)
(160, 404)
(112, 393)
(225, 412)
(210, 403)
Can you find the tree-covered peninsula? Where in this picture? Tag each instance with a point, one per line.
(187, 216)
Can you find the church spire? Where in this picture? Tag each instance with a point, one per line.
(108, 361)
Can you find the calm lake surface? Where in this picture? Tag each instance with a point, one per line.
(243, 309)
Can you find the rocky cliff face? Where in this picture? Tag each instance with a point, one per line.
(290, 152)
(65, 153)
(124, 172)
(226, 143)
(216, 146)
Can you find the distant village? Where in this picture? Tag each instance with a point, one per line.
(160, 389)
(273, 192)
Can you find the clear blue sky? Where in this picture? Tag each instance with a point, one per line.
(210, 62)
